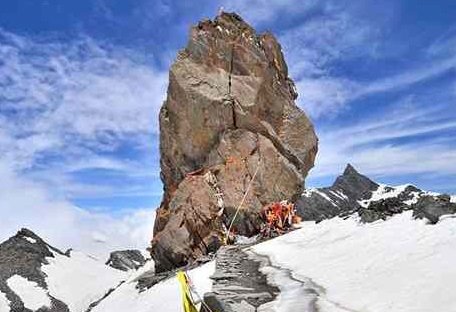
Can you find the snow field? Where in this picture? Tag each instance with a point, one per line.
(396, 265)
(80, 279)
(163, 297)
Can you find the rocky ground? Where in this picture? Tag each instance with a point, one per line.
(238, 284)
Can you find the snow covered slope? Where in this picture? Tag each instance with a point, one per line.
(163, 297)
(36, 276)
(79, 280)
(400, 264)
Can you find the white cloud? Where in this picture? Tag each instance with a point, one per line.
(374, 145)
(66, 107)
(27, 204)
(445, 44)
(79, 93)
(328, 32)
(323, 96)
(429, 71)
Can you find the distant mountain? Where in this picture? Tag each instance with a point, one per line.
(353, 192)
(34, 276)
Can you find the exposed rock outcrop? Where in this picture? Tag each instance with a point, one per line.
(342, 197)
(125, 260)
(23, 255)
(34, 276)
(230, 110)
(433, 207)
(353, 192)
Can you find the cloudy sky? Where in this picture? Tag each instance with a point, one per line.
(81, 83)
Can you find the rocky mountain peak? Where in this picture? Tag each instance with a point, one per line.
(354, 184)
(23, 255)
(350, 170)
(30, 245)
(229, 113)
(28, 235)
(354, 193)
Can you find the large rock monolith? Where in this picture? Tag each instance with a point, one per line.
(230, 109)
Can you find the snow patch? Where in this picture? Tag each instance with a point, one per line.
(163, 297)
(396, 265)
(31, 240)
(4, 303)
(325, 197)
(294, 295)
(146, 254)
(383, 192)
(453, 199)
(414, 200)
(339, 194)
(31, 294)
(244, 240)
(80, 279)
(308, 192)
(149, 266)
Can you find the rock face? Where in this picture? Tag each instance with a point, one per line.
(230, 110)
(23, 255)
(341, 198)
(36, 277)
(126, 260)
(354, 193)
(433, 207)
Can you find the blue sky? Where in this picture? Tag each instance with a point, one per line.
(81, 83)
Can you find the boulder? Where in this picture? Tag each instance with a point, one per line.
(382, 209)
(229, 113)
(433, 207)
(126, 260)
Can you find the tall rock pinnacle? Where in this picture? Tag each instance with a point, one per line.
(230, 109)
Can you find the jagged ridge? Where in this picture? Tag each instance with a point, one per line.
(353, 192)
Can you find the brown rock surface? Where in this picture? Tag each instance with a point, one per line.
(230, 108)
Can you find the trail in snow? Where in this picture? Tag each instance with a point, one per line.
(295, 295)
(400, 264)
